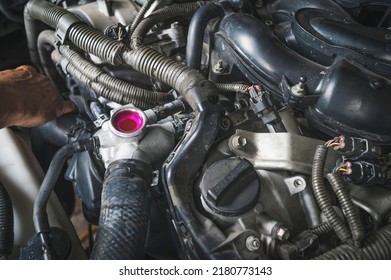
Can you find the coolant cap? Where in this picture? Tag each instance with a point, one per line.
(127, 122)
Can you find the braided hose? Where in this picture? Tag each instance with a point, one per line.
(236, 88)
(375, 247)
(350, 210)
(321, 197)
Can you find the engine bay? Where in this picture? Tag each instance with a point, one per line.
(234, 129)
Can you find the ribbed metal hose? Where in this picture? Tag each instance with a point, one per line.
(99, 88)
(93, 42)
(319, 189)
(96, 74)
(375, 247)
(83, 36)
(172, 11)
(46, 12)
(189, 82)
(107, 92)
(349, 209)
(6, 223)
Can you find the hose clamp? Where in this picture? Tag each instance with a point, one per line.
(64, 25)
(102, 118)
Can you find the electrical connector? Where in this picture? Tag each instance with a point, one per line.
(362, 172)
(354, 148)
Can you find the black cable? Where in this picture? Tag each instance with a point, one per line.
(140, 16)
(375, 247)
(322, 229)
(348, 207)
(319, 189)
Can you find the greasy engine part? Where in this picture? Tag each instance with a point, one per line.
(213, 121)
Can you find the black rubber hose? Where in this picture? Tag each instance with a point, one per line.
(375, 247)
(45, 44)
(83, 36)
(6, 223)
(95, 110)
(40, 217)
(33, 29)
(56, 132)
(319, 189)
(168, 12)
(349, 209)
(125, 211)
(195, 35)
(140, 15)
(5, 10)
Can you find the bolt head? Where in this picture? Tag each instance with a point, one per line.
(298, 183)
(282, 233)
(253, 243)
(239, 142)
(219, 67)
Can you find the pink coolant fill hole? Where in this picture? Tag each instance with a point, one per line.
(127, 121)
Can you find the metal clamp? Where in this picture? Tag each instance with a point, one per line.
(63, 26)
(100, 120)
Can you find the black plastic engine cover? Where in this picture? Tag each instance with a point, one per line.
(354, 101)
(347, 66)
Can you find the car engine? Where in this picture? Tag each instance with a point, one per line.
(233, 129)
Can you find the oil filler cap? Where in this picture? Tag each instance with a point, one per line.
(230, 187)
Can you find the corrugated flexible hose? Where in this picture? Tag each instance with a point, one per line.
(375, 247)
